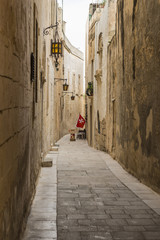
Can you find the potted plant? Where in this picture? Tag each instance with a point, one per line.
(89, 90)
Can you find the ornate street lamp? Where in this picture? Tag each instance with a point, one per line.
(72, 97)
(65, 85)
(46, 31)
(56, 49)
(56, 45)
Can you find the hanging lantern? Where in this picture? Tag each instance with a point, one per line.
(65, 87)
(72, 97)
(56, 48)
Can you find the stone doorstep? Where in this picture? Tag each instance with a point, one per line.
(47, 162)
(56, 145)
(53, 152)
(55, 148)
(49, 159)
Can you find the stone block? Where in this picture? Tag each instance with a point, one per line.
(47, 163)
(54, 149)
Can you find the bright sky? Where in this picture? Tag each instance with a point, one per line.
(75, 13)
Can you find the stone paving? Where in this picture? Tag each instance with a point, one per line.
(97, 199)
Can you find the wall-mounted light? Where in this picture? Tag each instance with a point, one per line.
(56, 45)
(72, 97)
(46, 30)
(65, 85)
(56, 50)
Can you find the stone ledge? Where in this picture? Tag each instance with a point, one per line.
(54, 149)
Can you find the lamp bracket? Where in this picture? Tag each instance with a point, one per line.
(46, 30)
(67, 93)
(59, 79)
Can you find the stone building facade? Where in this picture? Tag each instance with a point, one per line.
(30, 107)
(126, 87)
(27, 105)
(133, 86)
(100, 29)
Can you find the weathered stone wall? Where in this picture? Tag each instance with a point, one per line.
(104, 31)
(21, 108)
(137, 97)
(101, 29)
(100, 136)
(15, 94)
(58, 86)
(111, 97)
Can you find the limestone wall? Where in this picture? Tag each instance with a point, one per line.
(58, 85)
(136, 73)
(100, 31)
(104, 31)
(24, 130)
(90, 72)
(111, 98)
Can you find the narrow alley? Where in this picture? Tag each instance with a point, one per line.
(96, 199)
(80, 120)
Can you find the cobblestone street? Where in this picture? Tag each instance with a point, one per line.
(97, 199)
